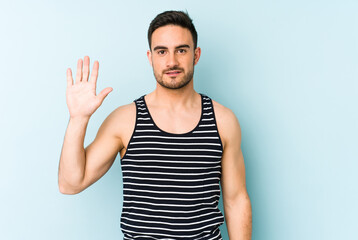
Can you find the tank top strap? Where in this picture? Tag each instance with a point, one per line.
(142, 111)
(139, 101)
(208, 124)
(207, 111)
(144, 122)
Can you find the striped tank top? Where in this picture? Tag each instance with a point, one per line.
(171, 181)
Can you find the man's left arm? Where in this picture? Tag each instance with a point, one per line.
(237, 205)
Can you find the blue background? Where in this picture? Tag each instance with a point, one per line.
(288, 70)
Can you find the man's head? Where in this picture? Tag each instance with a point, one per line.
(173, 51)
(177, 18)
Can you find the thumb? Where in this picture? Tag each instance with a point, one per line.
(104, 93)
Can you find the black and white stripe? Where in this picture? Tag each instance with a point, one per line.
(171, 181)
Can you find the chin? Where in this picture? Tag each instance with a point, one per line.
(178, 85)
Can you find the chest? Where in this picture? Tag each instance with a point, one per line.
(178, 122)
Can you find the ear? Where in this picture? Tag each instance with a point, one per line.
(197, 54)
(149, 55)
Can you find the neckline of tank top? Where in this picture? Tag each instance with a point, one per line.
(176, 134)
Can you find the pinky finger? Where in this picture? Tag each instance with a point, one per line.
(69, 77)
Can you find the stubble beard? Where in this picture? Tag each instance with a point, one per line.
(173, 82)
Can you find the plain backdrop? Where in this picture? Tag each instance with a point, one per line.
(287, 69)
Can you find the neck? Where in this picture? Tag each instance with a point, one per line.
(173, 98)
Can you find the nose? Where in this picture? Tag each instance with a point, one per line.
(172, 60)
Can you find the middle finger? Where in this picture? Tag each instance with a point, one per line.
(86, 69)
(79, 71)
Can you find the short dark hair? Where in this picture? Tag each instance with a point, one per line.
(178, 18)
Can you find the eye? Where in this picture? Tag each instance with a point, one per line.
(181, 51)
(161, 52)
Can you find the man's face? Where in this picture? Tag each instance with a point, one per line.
(173, 56)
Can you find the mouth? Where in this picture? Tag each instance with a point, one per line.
(173, 73)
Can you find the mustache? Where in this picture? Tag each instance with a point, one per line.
(173, 69)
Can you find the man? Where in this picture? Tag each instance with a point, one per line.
(172, 155)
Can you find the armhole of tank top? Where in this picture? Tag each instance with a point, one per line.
(135, 126)
(217, 128)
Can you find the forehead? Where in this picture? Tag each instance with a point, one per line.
(171, 36)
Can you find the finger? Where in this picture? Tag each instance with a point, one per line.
(86, 69)
(94, 73)
(104, 93)
(79, 71)
(69, 77)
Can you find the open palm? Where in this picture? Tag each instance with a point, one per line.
(81, 97)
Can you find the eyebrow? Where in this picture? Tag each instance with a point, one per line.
(180, 46)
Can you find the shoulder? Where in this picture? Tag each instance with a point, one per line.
(120, 119)
(227, 123)
(123, 112)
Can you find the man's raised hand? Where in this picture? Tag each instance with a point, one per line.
(81, 97)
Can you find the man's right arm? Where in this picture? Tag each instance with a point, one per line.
(79, 167)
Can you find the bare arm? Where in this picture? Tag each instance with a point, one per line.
(77, 165)
(237, 205)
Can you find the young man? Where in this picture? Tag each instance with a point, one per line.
(176, 146)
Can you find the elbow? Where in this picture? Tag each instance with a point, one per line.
(234, 201)
(65, 186)
(68, 189)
